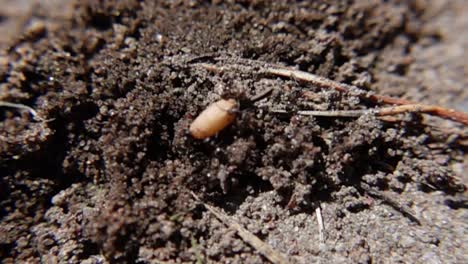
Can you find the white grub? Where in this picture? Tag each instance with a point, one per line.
(214, 118)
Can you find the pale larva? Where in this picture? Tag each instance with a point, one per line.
(214, 118)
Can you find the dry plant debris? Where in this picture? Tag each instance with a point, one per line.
(266, 250)
(405, 210)
(318, 213)
(404, 106)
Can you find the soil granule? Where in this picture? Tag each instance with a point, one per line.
(108, 178)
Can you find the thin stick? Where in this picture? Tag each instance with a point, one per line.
(405, 210)
(407, 106)
(33, 112)
(439, 111)
(309, 77)
(266, 250)
(318, 213)
(327, 83)
(261, 95)
(394, 110)
(327, 113)
(334, 113)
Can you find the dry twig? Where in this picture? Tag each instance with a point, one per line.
(266, 250)
(387, 111)
(405, 210)
(405, 106)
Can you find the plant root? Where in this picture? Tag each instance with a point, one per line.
(31, 111)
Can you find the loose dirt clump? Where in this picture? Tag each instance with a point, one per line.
(107, 175)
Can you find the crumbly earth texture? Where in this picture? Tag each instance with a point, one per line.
(108, 178)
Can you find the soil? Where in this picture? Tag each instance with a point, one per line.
(108, 178)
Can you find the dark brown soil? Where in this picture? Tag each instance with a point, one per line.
(109, 178)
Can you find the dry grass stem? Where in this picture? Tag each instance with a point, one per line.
(405, 210)
(266, 250)
(394, 110)
(404, 106)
